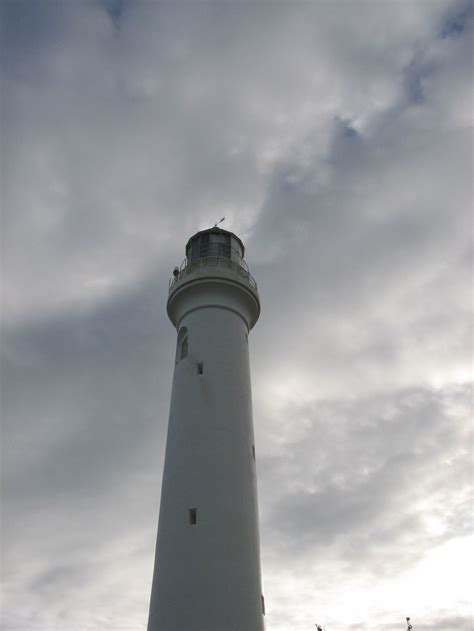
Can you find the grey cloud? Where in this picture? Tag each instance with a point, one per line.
(360, 470)
(93, 383)
(336, 140)
(170, 160)
(456, 20)
(358, 491)
(84, 419)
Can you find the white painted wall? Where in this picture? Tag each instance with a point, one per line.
(207, 577)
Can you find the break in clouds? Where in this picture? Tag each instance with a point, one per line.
(336, 140)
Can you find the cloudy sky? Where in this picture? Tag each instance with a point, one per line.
(335, 137)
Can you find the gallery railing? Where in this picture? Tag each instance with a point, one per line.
(226, 258)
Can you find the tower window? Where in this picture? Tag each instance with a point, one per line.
(192, 516)
(225, 249)
(182, 345)
(184, 348)
(199, 368)
(253, 451)
(204, 245)
(263, 604)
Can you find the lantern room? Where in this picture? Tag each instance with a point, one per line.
(215, 242)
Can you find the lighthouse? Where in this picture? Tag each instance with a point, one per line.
(207, 574)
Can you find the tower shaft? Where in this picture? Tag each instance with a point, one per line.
(207, 565)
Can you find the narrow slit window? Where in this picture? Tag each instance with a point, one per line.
(192, 516)
(184, 348)
(182, 345)
(253, 451)
(263, 604)
(199, 368)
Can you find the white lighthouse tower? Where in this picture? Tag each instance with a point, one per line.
(207, 565)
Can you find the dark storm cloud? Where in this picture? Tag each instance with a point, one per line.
(336, 139)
